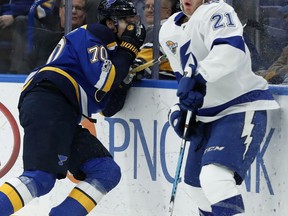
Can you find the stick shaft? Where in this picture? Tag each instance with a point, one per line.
(149, 64)
(179, 165)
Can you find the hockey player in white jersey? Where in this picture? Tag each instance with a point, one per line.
(212, 63)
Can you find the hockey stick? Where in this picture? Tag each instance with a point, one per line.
(134, 70)
(179, 163)
(149, 64)
(140, 68)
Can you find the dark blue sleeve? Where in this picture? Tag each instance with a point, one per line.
(122, 61)
(116, 101)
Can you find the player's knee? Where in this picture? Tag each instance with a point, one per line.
(218, 183)
(38, 182)
(105, 170)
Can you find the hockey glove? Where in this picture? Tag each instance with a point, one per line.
(193, 101)
(191, 90)
(133, 38)
(145, 73)
(137, 76)
(176, 118)
(187, 82)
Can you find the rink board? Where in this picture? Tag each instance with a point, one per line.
(147, 149)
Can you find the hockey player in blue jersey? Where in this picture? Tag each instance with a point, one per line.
(204, 44)
(81, 76)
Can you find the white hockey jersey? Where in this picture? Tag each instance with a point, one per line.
(212, 40)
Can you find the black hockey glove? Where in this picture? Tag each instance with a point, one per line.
(132, 38)
(144, 73)
(139, 75)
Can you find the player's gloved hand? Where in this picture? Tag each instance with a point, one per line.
(132, 38)
(191, 89)
(187, 82)
(176, 118)
(133, 76)
(144, 73)
(193, 101)
(128, 79)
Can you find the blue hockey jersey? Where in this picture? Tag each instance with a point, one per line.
(86, 66)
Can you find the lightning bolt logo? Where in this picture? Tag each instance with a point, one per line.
(186, 56)
(247, 131)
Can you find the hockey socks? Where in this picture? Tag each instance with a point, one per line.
(229, 207)
(14, 194)
(17, 192)
(6, 207)
(82, 199)
(72, 207)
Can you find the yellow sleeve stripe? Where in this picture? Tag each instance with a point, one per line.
(27, 84)
(62, 72)
(85, 200)
(13, 195)
(110, 79)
